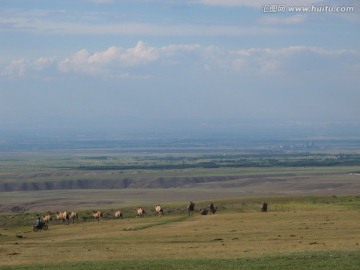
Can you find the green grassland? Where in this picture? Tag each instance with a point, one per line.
(312, 222)
(296, 233)
(318, 260)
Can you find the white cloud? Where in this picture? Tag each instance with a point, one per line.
(140, 54)
(172, 49)
(15, 69)
(44, 61)
(288, 60)
(144, 29)
(99, 1)
(98, 62)
(119, 58)
(274, 20)
(255, 4)
(105, 56)
(297, 50)
(120, 62)
(78, 62)
(86, 23)
(249, 3)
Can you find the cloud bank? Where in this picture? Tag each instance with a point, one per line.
(117, 61)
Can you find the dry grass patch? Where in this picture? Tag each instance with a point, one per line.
(226, 235)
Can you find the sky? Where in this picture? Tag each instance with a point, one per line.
(145, 65)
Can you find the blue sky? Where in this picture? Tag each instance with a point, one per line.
(142, 64)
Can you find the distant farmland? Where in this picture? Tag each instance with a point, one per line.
(72, 177)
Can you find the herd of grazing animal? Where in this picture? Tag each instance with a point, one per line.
(191, 208)
(63, 216)
(66, 217)
(140, 212)
(98, 215)
(159, 210)
(118, 214)
(73, 216)
(47, 218)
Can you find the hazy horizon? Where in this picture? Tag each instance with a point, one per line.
(139, 129)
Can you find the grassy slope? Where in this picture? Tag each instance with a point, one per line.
(303, 233)
(308, 261)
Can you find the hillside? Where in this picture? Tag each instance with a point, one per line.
(295, 233)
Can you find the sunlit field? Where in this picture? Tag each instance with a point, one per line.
(301, 230)
(312, 221)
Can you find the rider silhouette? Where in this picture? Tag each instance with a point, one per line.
(39, 222)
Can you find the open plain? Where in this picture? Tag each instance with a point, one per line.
(294, 232)
(312, 221)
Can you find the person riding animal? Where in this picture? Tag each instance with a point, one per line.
(39, 223)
